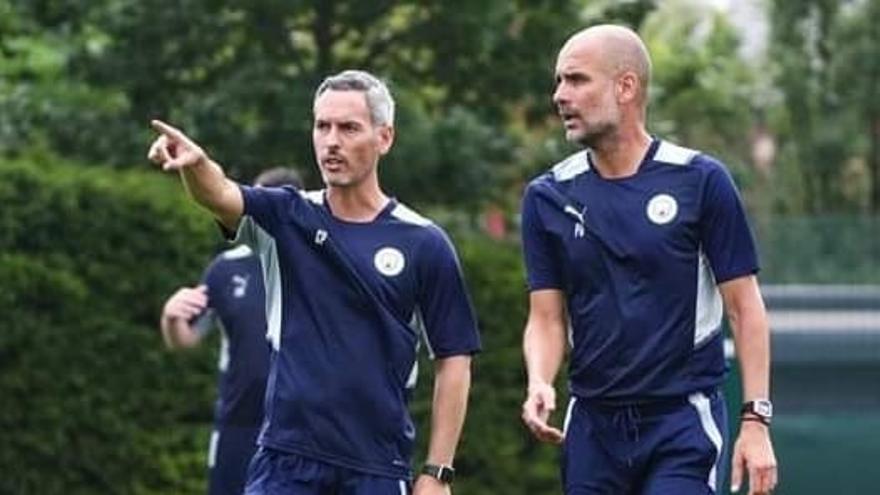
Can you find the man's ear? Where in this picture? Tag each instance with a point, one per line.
(627, 87)
(386, 138)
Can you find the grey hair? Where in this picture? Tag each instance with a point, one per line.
(379, 99)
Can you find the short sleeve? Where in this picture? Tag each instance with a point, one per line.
(445, 307)
(542, 260)
(725, 235)
(264, 210)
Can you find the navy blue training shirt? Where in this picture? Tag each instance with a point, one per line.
(361, 296)
(639, 259)
(236, 306)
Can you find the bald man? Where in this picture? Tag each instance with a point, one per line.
(634, 247)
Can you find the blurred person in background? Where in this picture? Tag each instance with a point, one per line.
(231, 297)
(635, 246)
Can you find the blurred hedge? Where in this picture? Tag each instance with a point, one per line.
(91, 401)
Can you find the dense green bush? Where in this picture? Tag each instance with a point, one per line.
(91, 402)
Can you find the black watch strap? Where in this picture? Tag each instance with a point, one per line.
(445, 474)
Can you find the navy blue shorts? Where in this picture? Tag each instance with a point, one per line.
(273, 472)
(229, 455)
(673, 447)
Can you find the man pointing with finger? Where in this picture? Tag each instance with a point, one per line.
(633, 248)
(354, 280)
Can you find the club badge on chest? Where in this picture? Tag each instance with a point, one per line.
(389, 261)
(662, 209)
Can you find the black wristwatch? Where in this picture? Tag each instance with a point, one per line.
(761, 409)
(445, 474)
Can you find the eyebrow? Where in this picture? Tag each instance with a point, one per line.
(340, 122)
(571, 74)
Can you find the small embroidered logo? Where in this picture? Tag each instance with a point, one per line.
(239, 285)
(320, 237)
(579, 228)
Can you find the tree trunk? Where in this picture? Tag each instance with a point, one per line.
(323, 32)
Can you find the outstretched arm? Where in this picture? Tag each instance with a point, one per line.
(203, 178)
(753, 450)
(544, 349)
(187, 303)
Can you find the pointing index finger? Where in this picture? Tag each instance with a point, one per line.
(170, 131)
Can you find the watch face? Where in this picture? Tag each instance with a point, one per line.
(763, 408)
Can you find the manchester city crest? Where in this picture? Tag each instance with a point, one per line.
(389, 261)
(662, 209)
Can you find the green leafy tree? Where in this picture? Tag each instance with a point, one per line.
(825, 57)
(702, 92)
(41, 105)
(855, 76)
(239, 78)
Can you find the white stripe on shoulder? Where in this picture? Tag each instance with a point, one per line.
(316, 197)
(401, 212)
(571, 167)
(238, 252)
(674, 154)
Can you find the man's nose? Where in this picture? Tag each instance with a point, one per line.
(559, 95)
(331, 139)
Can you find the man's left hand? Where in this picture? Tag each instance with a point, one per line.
(753, 453)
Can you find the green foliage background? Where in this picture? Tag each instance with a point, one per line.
(91, 242)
